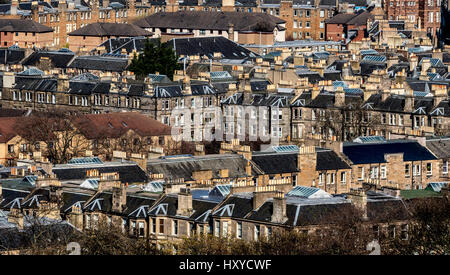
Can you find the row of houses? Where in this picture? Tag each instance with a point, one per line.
(176, 211)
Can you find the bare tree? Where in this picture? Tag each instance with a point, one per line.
(54, 134)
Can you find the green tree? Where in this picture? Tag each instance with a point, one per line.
(156, 57)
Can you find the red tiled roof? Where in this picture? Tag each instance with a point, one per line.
(114, 125)
(8, 128)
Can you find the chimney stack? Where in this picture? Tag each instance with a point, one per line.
(306, 164)
(231, 31)
(279, 208)
(14, 5)
(108, 181)
(184, 202)
(358, 198)
(119, 197)
(339, 97)
(261, 194)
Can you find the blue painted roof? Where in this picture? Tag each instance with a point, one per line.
(374, 152)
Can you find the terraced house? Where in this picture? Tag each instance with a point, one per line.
(171, 216)
(397, 164)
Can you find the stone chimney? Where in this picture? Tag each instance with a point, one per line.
(63, 83)
(261, 194)
(231, 31)
(409, 100)
(9, 79)
(108, 181)
(14, 5)
(358, 198)
(184, 202)
(119, 197)
(47, 180)
(92, 173)
(439, 93)
(306, 164)
(46, 166)
(187, 86)
(400, 77)
(392, 60)
(35, 10)
(173, 185)
(279, 208)
(426, 64)
(339, 97)
(75, 217)
(413, 62)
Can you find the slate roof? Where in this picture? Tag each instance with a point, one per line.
(115, 45)
(171, 90)
(70, 199)
(357, 19)
(236, 206)
(440, 146)
(329, 160)
(100, 63)
(392, 103)
(208, 46)
(270, 100)
(35, 83)
(11, 56)
(136, 206)
(22, 25)
(169, 204)
(275, 163)
(208, 20)
(128, 172)
(58, 59)
(182, 167)
(110, 29)
(374, 152)
(12, 198)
